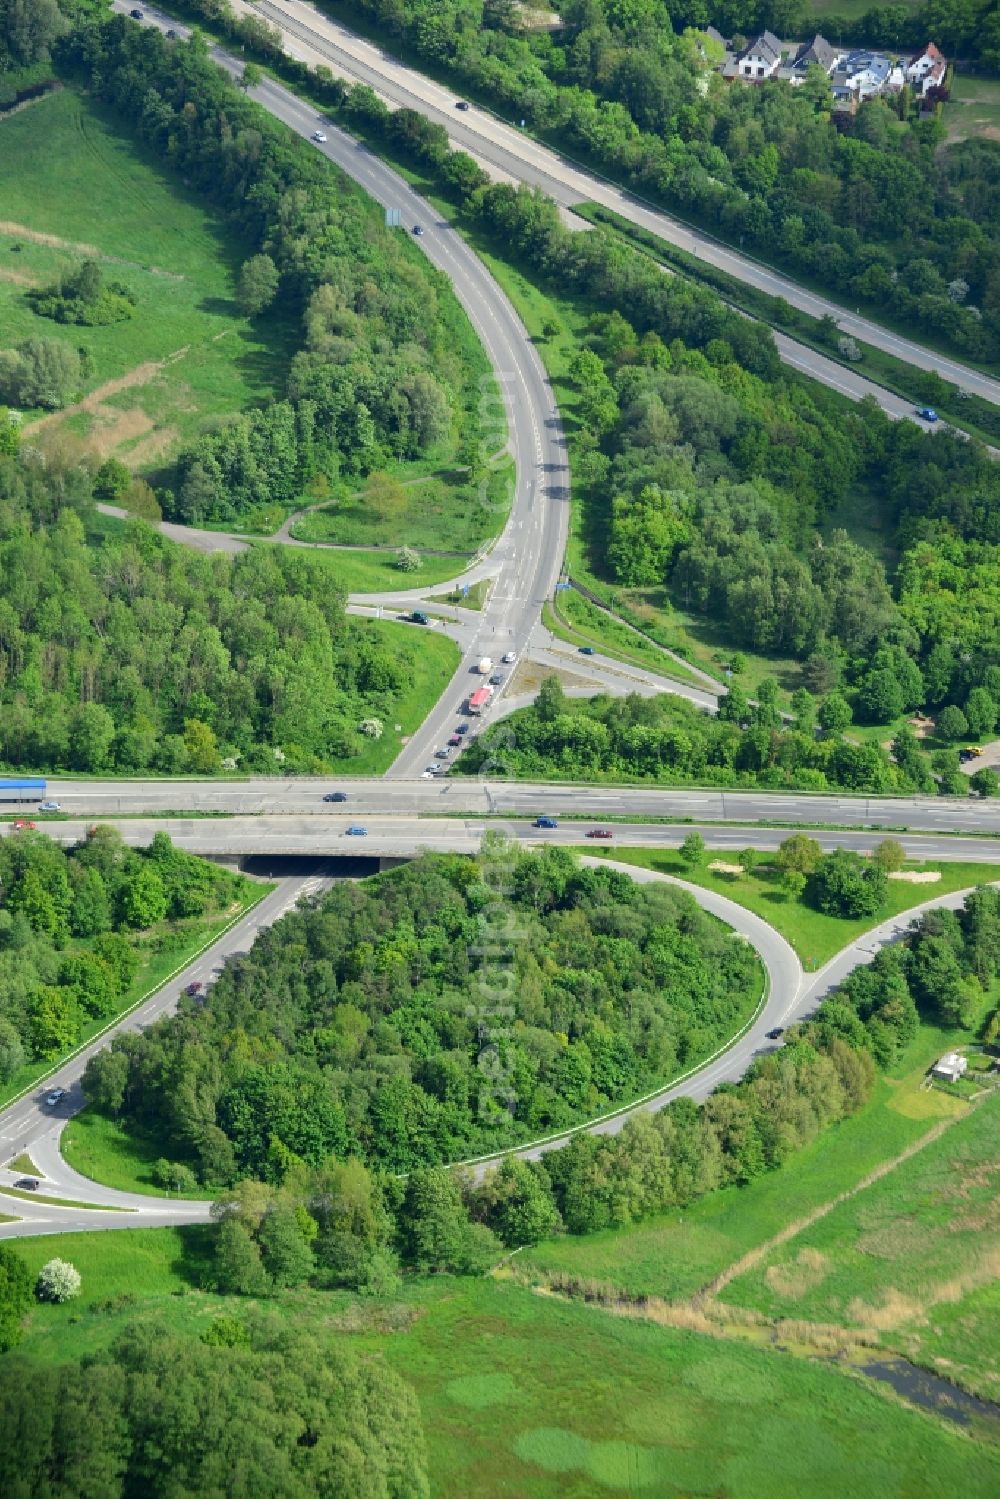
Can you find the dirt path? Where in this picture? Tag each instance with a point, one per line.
(93, 403)
(21, 231)
(792, 1230)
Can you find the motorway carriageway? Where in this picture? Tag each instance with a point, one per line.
(404, 836)
(368, 798)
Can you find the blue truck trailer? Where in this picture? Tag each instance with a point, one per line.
(21, 789)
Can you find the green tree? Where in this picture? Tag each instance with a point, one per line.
(889, 855)
(951, 723)
(516, 1201)
(30, 28)
(92, 733)
(985, 782)
(258, 285)
(202, 746)
(144, 898)
(238, 1266)
(835, 714)
(981, 712)
(800, 853)
(112, 480)
(287, 1257)
(39, 372)
(692, 851)
(15, 1296)
(434, 1223)
(11, 1050)
(251, 76)
(842, 884)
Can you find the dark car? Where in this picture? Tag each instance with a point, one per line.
(335, 796)
(418, 617)
(586, 650)
(27, 1184)
(454, 739)
(193, 989)
(545, 822)
(463, 728)
(779, 1030)
(136, 15)
(496, 679)
(442, 754)
(418, 229)
(600, 833)
(170, 35)
(462, 104)
(927, 413)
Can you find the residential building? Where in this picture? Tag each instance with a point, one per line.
(926, 70)
(759, 59)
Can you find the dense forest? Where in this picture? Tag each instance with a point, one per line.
(76, 924)
(876, 210)
(387, 366)
(242, 1408)
(132, 653)
(369, 1025)
(308, 1210)
(671, 741)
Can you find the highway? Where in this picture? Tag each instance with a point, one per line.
(369, 797)
(311, 36)
(526, 558)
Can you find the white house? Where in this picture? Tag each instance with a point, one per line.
(759, 59)
(951, 1067)
(927, 70)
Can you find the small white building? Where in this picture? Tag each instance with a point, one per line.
(951, 1067)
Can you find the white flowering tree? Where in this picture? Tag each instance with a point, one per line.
(57, 1281)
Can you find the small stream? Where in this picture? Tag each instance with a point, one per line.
(926, 1390)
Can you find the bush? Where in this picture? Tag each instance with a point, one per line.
(842, 884)
(57, 1281)
(174, 1176)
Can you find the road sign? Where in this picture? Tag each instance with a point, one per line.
(393, 218)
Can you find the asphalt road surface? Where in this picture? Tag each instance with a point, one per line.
(526, 559)
(523, 159)
(445, 796)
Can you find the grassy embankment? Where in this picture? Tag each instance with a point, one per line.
(815, 937)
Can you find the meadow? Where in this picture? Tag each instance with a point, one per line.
(886, 1260)
(529, 1395)
(72, 187)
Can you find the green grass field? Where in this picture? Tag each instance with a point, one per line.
(429, 661)
(677, 1254)
(70, 187)
(923, 1237)
(527, 1395)
(440, 511)
(100, 1148)
(974, 108)
(815, 936)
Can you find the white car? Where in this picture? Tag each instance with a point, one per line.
(508, 657)
(49, 807)
(318, 135)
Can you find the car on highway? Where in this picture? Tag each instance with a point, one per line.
(136, 15)
(56, 1096)
(319, 136)
(49, 807)
(418, 617)
(194, 988)
(463, 728)
(497, 679)
(604, 833)
(927, 413)
(355, 831)
(455, 739)
(21, 826)
(27, 1184)
(545, 822)
(462, 104)
(170, 35)
(586, 650)
(335, 796)
(418, 230)
(779, 1030)
(508, 657)
(442, 754)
